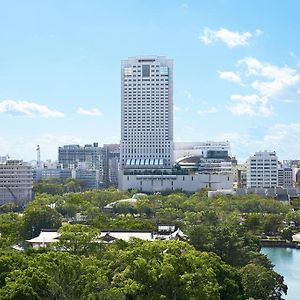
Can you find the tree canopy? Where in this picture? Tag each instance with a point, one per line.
(221, 259)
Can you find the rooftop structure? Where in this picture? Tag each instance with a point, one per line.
(204, 149)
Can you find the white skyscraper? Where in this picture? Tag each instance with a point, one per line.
(147, 150)
(147, 112)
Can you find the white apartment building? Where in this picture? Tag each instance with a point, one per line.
(147, 112)
(16, 182)
(285, 177)
(262, 170)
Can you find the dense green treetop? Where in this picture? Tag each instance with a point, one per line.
(221, 260)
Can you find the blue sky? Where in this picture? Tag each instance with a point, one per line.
(236, 71)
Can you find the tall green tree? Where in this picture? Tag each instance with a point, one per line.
(77, 238)
(38, 217)
(262, 283)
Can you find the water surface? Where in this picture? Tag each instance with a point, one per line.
(287, 263)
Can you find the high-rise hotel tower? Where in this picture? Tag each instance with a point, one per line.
(147, 112)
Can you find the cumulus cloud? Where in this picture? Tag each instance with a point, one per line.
(273, 81)
(28, 109)
(282, 138)
(231, 38)
(251, 105)
(268, 83)
(230, 76)
(92, 112)
(210, 110)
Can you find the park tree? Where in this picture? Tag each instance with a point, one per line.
(125, 207)
(233, 246)
(272, 223)
(293, 216)
(262, 283)
(287, 234)
(10, 228)
(38, 217)
(253, 221)
(172, 270)
(64, 267)
(48, 187)
(77, 238)
(31, 283)
(145, 207)
(72, 185)
(168, 215)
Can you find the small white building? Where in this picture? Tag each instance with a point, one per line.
(49, 236)
(44, 239)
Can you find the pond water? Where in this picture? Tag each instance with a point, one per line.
(287, 263)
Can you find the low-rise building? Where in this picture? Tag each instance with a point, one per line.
(47, 237)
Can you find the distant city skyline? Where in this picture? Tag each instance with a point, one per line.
(236, 71)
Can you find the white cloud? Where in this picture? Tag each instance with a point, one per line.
(92, 112)
(251, 105)
(282, 138)
(231, 38)
(273, 81)
(230, 76)
(210, 110)
(259, 32)
(268, 82)
(28, 109)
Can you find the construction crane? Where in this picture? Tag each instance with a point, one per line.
(13, 195)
